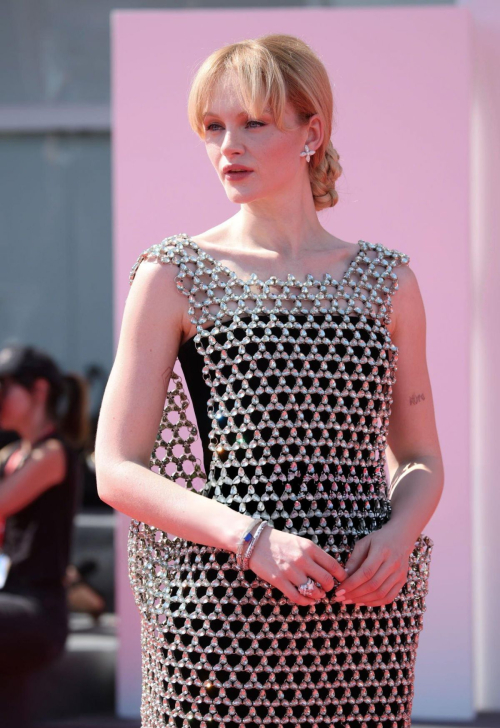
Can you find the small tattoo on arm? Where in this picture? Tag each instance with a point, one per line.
(416, 398)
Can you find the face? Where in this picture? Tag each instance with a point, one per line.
(273, 156)
(17, 404)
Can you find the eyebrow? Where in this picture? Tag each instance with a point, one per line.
(267, 110)
(212, 113)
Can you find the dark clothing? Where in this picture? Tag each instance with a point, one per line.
(33, 630)
(34, 615)
(33, 633)
(38, 537)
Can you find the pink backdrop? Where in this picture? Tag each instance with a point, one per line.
(401, 81)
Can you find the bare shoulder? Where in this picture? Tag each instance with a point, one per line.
(164, 256)
(53, 455)
(45, 466)
(408, 311)
(156, 292)
(150, 268)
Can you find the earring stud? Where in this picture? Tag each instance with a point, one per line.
(307, 153)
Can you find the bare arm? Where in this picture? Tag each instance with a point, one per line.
(154, 319)
(413, 454)
(44, 468)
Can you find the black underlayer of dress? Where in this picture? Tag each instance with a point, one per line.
(192, 367)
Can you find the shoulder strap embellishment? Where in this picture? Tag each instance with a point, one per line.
(214, 268)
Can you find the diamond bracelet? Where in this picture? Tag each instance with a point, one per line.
(245, 539)
(251, 547)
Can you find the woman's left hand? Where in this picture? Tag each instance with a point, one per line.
(377, 567)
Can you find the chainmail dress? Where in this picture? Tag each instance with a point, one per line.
(291, 384)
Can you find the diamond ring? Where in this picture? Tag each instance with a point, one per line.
(307, 588)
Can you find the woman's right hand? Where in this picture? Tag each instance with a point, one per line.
(286, 561)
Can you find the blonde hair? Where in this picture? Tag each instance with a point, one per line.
(272, 70)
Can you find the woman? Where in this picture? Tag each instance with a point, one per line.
(40, 488)
(288, 338)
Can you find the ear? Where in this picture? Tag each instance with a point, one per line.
(316, 132)
(41, 387)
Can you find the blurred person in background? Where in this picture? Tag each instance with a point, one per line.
(40, 491)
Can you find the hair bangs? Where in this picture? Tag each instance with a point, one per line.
(251, 72)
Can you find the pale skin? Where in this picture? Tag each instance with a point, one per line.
(275, 232)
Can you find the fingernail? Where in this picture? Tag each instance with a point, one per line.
(338, 599)
(339, 592)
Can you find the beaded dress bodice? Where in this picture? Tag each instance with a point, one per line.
(291, 383)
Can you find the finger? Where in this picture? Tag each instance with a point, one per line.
(330, 564)
(383, 593)
(356, 560)
(358, 555)
(301, 578)
(378, 584)
(291, 592)
(389, 597)
(364, 573)
(321, 575)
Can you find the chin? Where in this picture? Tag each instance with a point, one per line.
(242, 197)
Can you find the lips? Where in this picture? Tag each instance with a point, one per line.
(238, 175)
(235, 168)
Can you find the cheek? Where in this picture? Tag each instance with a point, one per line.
(279, 167)
(6, 408)
(15, 403)
(213, 151)
(278, 155)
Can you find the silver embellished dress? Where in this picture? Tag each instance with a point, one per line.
(291, 383)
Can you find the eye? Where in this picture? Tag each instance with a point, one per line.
(251, 121)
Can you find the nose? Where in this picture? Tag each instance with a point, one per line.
(231, 144)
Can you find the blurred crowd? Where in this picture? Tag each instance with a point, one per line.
(47, 477)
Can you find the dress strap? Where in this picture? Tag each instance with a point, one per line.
(192, 278)
(174, 251)
(374, 281)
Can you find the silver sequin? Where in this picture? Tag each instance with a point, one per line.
(300, 376)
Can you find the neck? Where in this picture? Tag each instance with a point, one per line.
(32, 434)
(288, 237)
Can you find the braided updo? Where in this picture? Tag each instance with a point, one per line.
(323, 177)
(272, 70)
